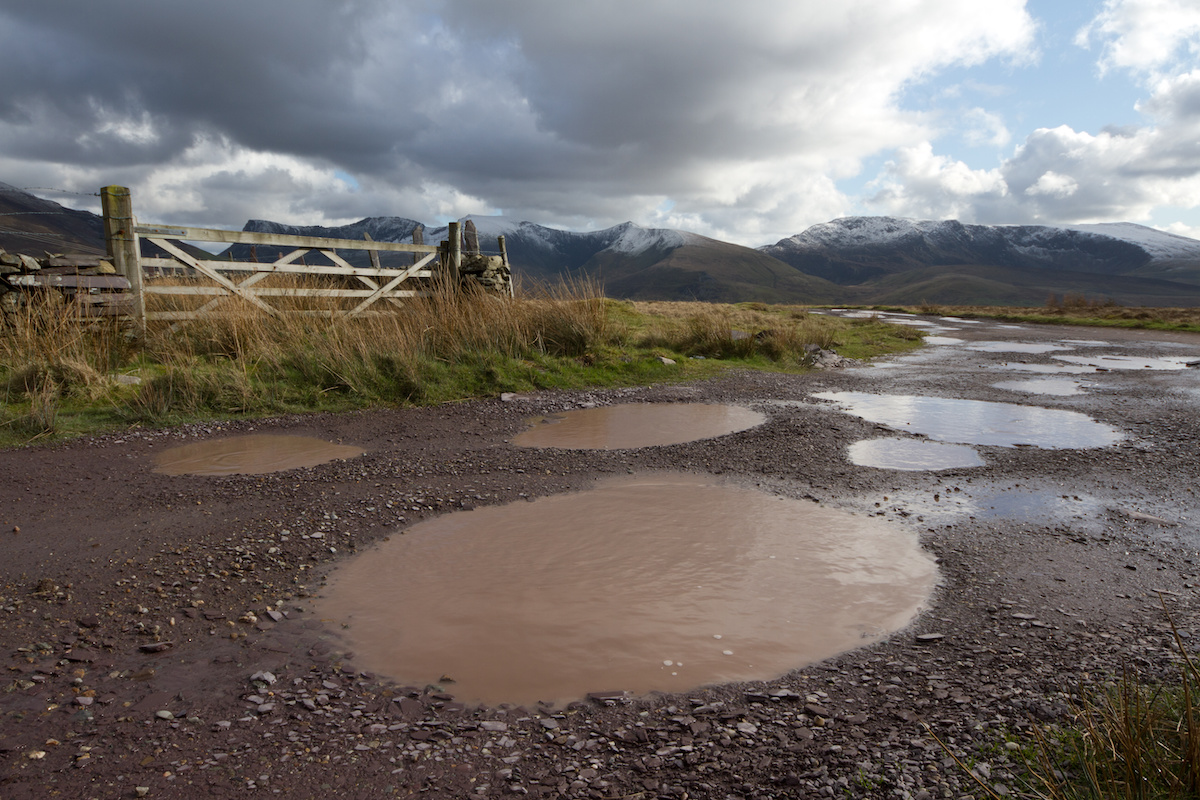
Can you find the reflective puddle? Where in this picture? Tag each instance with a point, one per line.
(977, 421)
(637, 425)
(250, 455)
(945, 340)
(663, 582)
(1009, 502)
(1058, 387)
(1047, 369)
(1016, 347)
(1131, 362)
(912, 455)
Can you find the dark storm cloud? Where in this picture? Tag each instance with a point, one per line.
(733, 117)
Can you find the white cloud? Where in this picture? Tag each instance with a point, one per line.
(1053, 185)
(918, 183)
(1183, 229)
(1144, 36)
(983, 127)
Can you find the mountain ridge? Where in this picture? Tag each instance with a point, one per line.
(850, 260)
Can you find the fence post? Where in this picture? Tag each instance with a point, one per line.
(455, 253)
(418, 238)
(123, 246)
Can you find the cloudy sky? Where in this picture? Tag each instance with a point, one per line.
(745, 121)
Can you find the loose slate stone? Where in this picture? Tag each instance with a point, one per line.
(930, 637)
(156, 647)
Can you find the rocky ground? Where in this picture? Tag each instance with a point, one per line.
(157, 640)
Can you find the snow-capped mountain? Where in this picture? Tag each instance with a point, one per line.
(853, 250)
(856, 260)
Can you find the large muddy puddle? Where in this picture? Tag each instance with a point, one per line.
(660, 582)
(912, 455)
(637, 425)
(250, 455)
(977, 421)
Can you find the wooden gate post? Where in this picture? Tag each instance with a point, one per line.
(455, 253)
(123, 247)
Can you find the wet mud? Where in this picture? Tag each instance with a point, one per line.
(158, 636)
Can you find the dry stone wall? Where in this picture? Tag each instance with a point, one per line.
(89, 281)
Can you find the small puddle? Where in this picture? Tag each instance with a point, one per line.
(250, 455)
(1131, 362)
(637, 425)
(912, 455)
(1046, 369)
(942, 340)
(977, 421)
(1058, 387)
(1015, 503)
(660, 582)
(1016, 347)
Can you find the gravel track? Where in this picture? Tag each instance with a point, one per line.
(157, 637)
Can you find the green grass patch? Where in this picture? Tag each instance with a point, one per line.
(63, 376)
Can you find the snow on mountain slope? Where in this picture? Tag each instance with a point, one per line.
(1159, 244)
(1036, 241)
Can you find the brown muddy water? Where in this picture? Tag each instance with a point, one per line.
(250, 455)
(637, 425)
(658, 582)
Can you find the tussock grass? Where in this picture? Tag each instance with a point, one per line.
(1127, 740)
(59, 372)
(1130, 741)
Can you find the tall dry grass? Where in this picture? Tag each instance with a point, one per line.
(51, 352)
(779, 334)
(447, 345)
(1129, 740)
(424, 350)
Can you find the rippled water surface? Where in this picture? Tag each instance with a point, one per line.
(637, 425)
(250, 455)
(662, 582)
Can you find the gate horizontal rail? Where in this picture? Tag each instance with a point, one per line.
(225, 280)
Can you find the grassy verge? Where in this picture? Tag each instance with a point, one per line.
(1070, 312)
(62, 376)
(1127, 740)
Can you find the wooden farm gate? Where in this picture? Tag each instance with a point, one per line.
(359, 287)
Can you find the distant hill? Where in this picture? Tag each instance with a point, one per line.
(854, 260)
(631, 262)
(894, 260)
(34, 226)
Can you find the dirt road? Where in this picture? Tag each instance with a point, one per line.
(158, 641)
